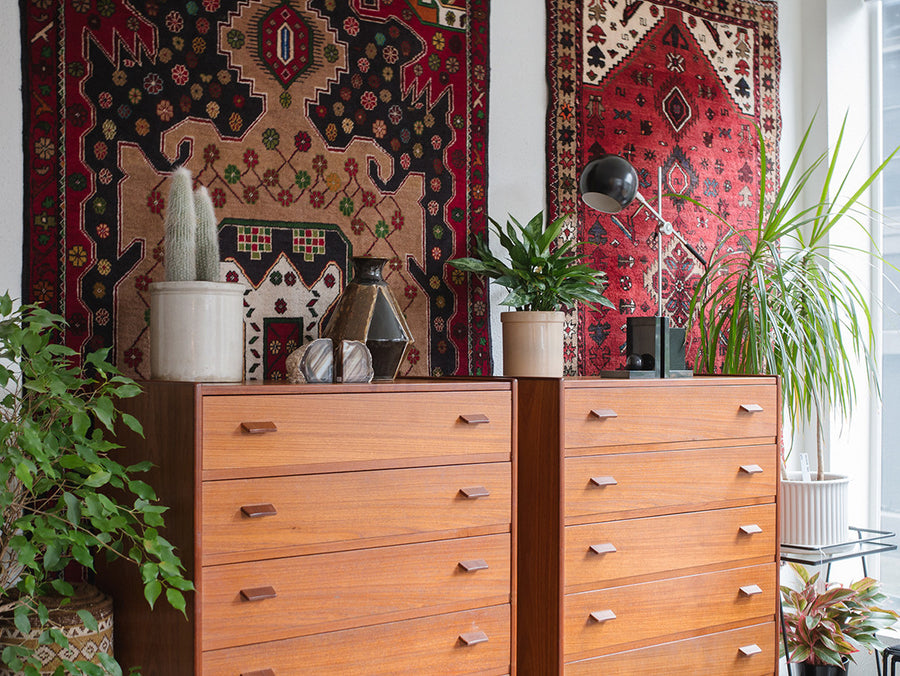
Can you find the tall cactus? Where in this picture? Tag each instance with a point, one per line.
(181, 229)
(207, 237)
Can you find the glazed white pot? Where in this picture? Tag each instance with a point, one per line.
(197, 331)
(533, 344)
(814, 513)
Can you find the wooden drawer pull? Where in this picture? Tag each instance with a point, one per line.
(258, 593)
(605, 548)
(751, 408)
(473, 637)
(473, 564)
(473, 492)
(256, 511)
(604, 413)
(750, 650)
(751, 590)
(604, 481)
(603, 615)
(261, 672)
(751, 469)
(259, 427)
(750, 529)
(474, 418)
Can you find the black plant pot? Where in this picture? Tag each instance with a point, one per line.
(806, 669)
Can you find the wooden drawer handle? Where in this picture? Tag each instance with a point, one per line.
(750, 650)
(604, 548)
(751, 469)
(603, 615)
(474, 418)
(473, 637)
(261, 672)
(604, 413)
(604, 481)
(751, 408)
(750, 529)
(256, 511)
(473, 564)
(258, 593)
(473, 492)
(259, 427)
(751, 590)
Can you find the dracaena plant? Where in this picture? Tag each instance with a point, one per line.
(68, 492)
(539, 275)
(827, 623)
(776, 298)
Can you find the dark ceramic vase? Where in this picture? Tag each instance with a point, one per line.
(368, 312)
(820, 670)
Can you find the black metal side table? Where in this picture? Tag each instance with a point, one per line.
(867, 542)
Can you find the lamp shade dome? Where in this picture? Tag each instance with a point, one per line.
(608, 183)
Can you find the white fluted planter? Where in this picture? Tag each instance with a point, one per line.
(814, 513)
(533, 344)
(197, 331)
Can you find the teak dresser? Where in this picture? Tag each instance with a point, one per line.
(329, 529)
(647, 526)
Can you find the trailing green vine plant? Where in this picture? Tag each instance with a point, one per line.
(66, 495)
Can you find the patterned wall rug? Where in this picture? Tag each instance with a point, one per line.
(322, 128)
(677, 84)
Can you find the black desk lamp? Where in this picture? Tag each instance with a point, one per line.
(609, 184)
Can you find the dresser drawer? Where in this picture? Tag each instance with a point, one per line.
(327, 592)
(645, 613)
(361, 430)
(344, 510)
(612, 416)
(431, 645)
(749, 651)
(622, 482)
(603, 552)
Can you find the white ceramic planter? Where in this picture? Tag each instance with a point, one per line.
(197, 331)
(814, 513)
(533, 344)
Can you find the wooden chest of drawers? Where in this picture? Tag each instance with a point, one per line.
(647, 526)
(329, 529)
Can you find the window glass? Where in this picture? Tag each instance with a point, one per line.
(890, 376)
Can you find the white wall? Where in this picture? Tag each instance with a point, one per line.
(11, 172)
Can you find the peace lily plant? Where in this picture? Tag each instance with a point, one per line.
(543, 277)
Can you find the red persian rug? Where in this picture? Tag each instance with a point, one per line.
(322, 129)
(676, 84)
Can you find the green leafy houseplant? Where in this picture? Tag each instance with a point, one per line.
(780, 302)
(538, 276)
(66, 495)
(827, 623)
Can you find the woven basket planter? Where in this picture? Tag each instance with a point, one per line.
(84, 644)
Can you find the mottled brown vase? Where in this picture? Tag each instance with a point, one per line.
(368, 312)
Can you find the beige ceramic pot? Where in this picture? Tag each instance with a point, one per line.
(533, 344)
(197, 331)
(814, 513)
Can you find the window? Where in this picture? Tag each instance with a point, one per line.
(890, 365)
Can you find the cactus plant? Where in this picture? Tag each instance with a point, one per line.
(207, 237)
(192, 240)
(181, 229)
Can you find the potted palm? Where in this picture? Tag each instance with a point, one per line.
(825, 624)
(542, 280)
(67, 495)
(775, 300)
